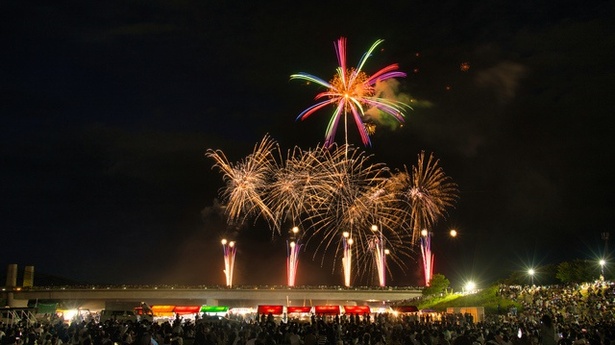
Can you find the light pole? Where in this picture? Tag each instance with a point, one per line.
(292, 256)
(379, 252)
(347, 242)
(230, 250)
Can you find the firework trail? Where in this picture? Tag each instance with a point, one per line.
(426, 193)
(292, 259)
(246, 182)
(377, 246)
(230, 250)
(351, 91)
(347, 242)
(428, 257)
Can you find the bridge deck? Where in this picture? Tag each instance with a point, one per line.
(211, 295)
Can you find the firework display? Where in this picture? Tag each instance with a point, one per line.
(334, 190)
(354, 92)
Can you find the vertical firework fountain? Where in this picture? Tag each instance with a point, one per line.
(379, 254)
(347, 242)
(428, 257)
(292, 253)
(229, 260)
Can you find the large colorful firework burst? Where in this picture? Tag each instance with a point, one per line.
(352, 91)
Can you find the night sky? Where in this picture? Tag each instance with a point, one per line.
(108, 108)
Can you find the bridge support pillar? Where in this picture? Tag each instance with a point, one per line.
(11, 283)
(10, 300)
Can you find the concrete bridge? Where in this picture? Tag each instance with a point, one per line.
(233, 297)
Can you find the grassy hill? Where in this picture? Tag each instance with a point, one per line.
(486, 298)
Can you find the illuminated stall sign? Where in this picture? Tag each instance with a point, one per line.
(46, 308)
(327, 309)
(163, 310)
(356, 309)
(214, 309)
(187, 309)
(297, 309)
(242, 311)
(271, 309)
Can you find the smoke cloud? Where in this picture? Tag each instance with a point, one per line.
(503, 78)
(389, 90)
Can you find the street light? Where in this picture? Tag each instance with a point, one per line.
(531, 272)
(470, 287)
(602, 263)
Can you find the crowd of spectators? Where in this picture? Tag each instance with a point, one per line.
(554, 315)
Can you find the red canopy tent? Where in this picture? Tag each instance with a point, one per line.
(299, 309)
(356, 309)
(271, 309)
(327, 309)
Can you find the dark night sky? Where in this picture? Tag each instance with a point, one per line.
(108, 108)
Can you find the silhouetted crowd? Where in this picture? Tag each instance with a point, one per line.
(553, 315)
